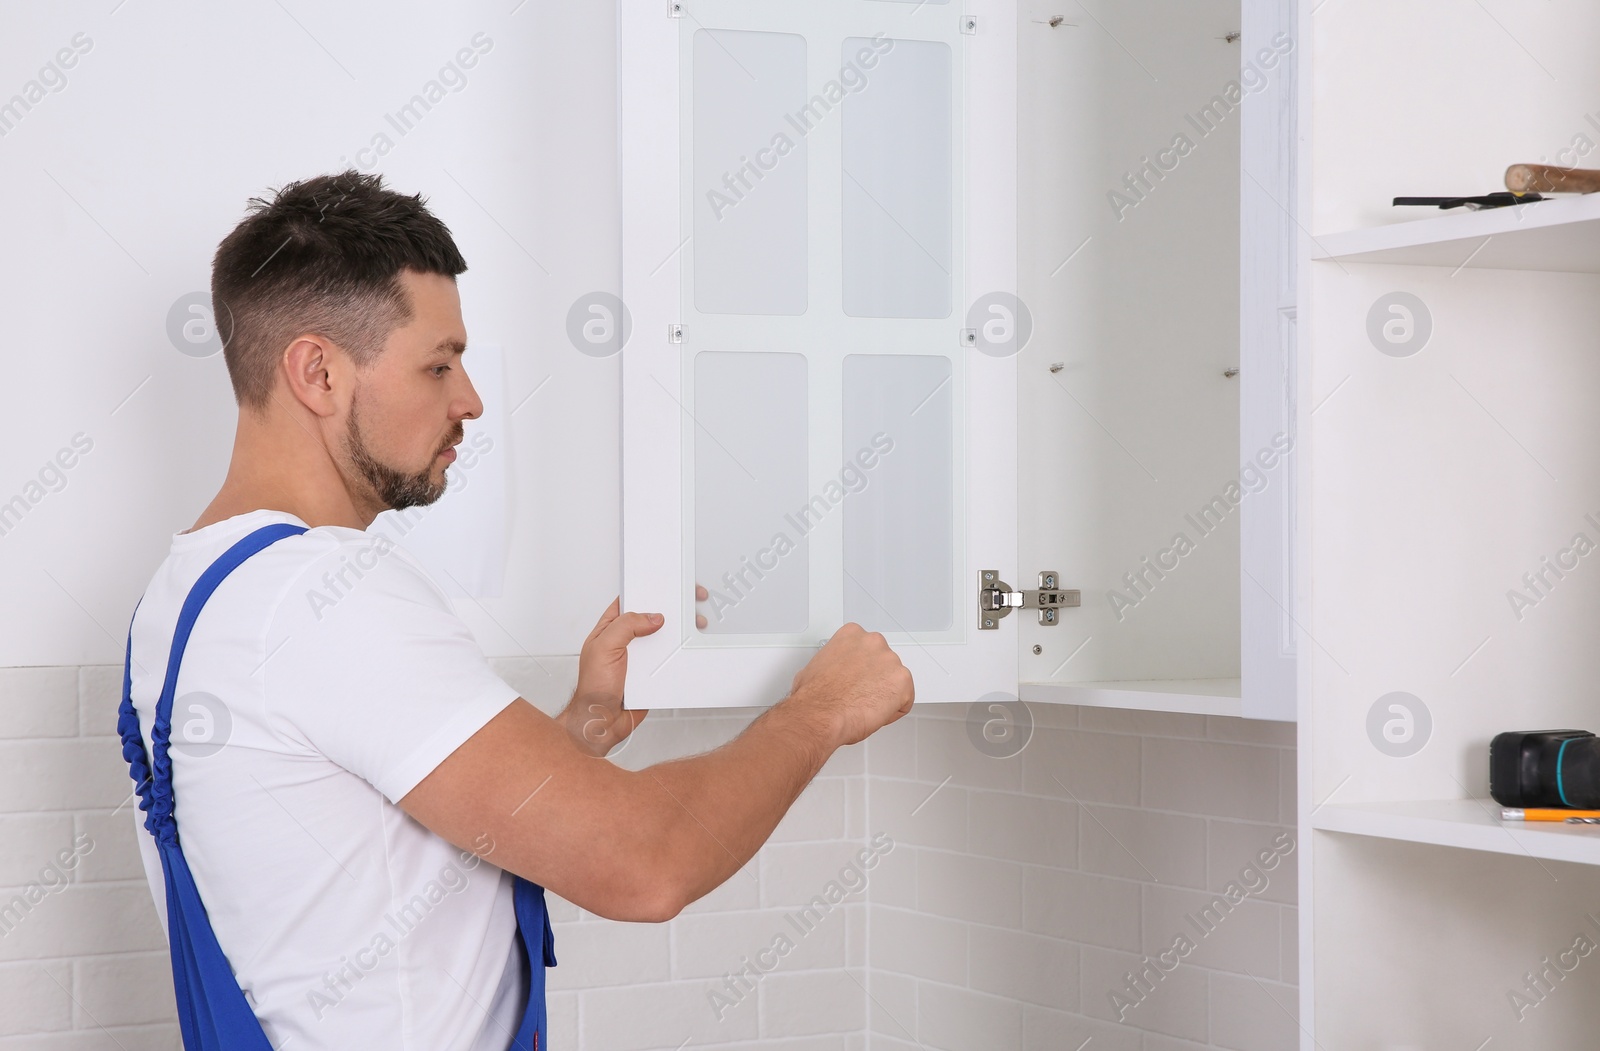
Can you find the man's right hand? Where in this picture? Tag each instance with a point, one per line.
(857, 682)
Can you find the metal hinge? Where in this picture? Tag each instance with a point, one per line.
(996, 599)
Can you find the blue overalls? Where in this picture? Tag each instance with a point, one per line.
(212, 1011)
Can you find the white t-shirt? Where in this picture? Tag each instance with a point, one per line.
(324, 679)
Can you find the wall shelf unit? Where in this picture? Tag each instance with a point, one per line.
(1468, 824)
(1449, 449)
(1555, 234)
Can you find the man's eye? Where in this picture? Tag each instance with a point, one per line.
(435, 370)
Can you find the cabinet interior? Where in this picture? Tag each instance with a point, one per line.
(1129, 421)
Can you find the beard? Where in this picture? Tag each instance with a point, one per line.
(396, 489)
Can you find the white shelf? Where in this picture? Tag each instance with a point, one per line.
(1470, 824)
(1557, 234)
(1191, 696)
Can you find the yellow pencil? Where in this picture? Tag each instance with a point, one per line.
(1544, 814)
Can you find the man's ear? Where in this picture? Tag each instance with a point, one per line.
(308, 365)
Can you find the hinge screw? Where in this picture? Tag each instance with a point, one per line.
(1038, 650)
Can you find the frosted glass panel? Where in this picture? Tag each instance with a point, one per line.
(899, 518)
(749, 181)
(750, 439)
(897, 205)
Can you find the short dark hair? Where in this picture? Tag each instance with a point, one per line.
(323, 256)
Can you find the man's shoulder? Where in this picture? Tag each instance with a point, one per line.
(350, 571)
(303, 576)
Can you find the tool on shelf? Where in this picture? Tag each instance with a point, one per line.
(1498, 199)
(1546, 178)
(1531, 770)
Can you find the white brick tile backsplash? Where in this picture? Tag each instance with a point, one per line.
(99, 698)
(1025, 967)
(561, 1018)
(601, 953)
(855, 808)
(1289, 935)
(35, 997)
(894, 880)
(965, 887)
(1191, 801)
(714, 945)
(1044, 1029)
(1172, 1002)
(115, 851)
(659, 739)
(1083, 766)
(1211, 778)
(657, 1017)
(817, 814)
(31, 843)
(1157, 1042)
(831, 1001)
(1253, 1016)
(905, 942)
(742, 890)
(892, 1005)
(1143, 845)
(850, 761)
(80, 920)
(1093, 910)
(1242, 938)
(62, 774)
(561, 910)
(1145, 724)
(793, 874)
(38, 702)
(1288, 800)
(1001, 919)
(892, 751)
(945, 751)
(1235, 855)
(1016, 827)
(162, 1037)
(1249, 731)
(918, 814)
(960, 1020)
(124, 989)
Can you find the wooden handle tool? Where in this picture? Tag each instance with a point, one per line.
(1546, 178)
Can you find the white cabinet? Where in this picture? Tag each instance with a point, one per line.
(923, 290)
(1450, 460)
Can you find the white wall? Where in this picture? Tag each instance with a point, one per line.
(118, 187)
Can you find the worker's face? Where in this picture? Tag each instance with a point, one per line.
(406, 410)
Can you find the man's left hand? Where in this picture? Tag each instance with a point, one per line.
(595, 717)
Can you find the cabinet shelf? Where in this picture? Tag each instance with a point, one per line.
(1470, 824)
(1558, 234)
(1190, 696)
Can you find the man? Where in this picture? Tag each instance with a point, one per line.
(356, 837)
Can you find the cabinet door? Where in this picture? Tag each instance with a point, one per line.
(819, 392)
(1268, 246)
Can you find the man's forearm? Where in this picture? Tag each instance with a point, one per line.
(723, 805)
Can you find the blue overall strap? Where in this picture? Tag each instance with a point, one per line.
(213, 1014)
(533, 921)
